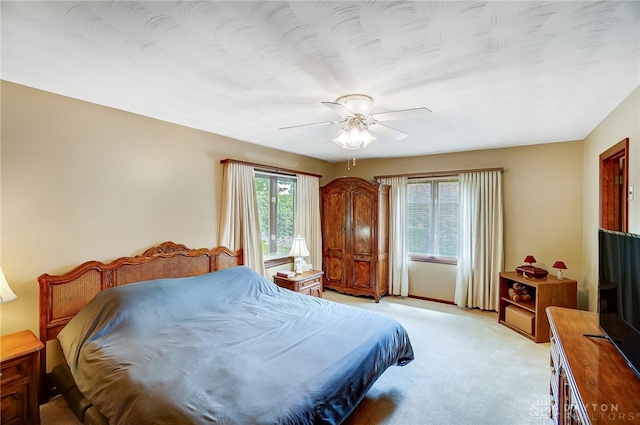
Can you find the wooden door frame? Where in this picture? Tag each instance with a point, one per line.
(614, 207)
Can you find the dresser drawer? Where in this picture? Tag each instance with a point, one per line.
(554, 351)
(554, 365)
(308, 288)
(309, 283)
(14, 370)
(304, 286)
(314, 290)
(15, 404)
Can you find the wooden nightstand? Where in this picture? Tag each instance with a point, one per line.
(19, 358)
(309, 283)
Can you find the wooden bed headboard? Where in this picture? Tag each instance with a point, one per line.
(62, 296)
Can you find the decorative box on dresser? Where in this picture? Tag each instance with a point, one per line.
(309, 283)
(546, 291)
(19, 382)
(591, 382)
(355, 236)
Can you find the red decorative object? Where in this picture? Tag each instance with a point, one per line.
(531, 270)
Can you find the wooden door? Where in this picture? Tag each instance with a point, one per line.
(614, 171)
(363, 241)
(334, 231)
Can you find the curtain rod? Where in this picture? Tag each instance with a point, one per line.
(269, 168)
(439, 173)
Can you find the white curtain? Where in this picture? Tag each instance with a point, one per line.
(239, 222)
(307, 222)
(480, 246)
(398, 261)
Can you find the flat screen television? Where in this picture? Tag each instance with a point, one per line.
(619, 292)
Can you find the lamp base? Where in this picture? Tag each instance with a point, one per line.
(298, 265)
(559, 274)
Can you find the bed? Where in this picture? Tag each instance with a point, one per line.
(181, 336)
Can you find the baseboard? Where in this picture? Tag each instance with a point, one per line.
(419, 297)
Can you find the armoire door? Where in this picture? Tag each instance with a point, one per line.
(334, 231)
(363, 222)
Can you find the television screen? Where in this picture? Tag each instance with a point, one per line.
(619, 292)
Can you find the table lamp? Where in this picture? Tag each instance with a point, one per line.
(560, 266)
(299, 250)
(6, 294)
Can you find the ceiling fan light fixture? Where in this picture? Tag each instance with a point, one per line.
(355, 113)
(358, 104)
(367, 138)
(353, 138)
(342, 138)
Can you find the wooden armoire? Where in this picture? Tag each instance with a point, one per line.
(355, 236)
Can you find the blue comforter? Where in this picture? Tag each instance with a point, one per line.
(228, 347)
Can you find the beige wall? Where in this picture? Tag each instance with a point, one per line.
(622, 122)
(542, 195)
(82, 181)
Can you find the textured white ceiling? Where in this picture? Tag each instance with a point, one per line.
(494, 74)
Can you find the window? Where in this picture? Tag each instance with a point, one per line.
(276, 196)
(432, 220)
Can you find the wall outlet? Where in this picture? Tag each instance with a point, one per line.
(631, 192)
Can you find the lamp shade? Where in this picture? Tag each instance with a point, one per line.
(6, 294)
(353, 137)
(299, 248)
(559, 265)
(529, 259)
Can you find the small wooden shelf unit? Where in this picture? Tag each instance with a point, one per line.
(545, 292)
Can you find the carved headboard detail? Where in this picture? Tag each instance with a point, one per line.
(62, 296)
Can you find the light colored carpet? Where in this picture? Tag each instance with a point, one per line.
(469, 370)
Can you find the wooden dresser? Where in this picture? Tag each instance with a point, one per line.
(591, 382)
(308, 283)
(20, 378)
(355, 236)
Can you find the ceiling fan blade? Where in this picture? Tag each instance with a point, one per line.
(340, 109)
(313, 124)
(403, 114)
(388, 131)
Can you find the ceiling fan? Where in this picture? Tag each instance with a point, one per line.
(355, 112)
